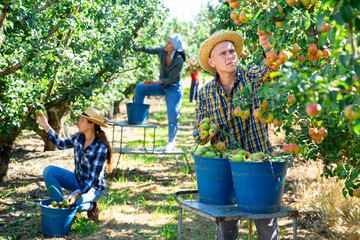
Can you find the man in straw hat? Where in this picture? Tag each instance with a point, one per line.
(219, 54)
(92, 150)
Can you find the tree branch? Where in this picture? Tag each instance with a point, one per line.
(4, 12)
(31, 55)
(301, 121)
(45, 6)
(51, 85)
(76, 91)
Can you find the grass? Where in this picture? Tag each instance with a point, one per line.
(139, 202)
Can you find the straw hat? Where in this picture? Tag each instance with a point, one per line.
(207, 45)
(93, 115)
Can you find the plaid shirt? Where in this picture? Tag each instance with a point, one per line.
(212, 102)
(89, 163)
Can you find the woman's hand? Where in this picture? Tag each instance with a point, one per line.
(264, 39)
(43, 122)
(72, 198)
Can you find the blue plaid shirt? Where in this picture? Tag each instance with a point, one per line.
(212, 102)
(89, 163)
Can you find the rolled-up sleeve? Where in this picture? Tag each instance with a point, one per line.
(259, 74)
(60, 143)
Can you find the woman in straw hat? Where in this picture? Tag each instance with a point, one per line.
(219, 54)
(172, 58)
(92, 150)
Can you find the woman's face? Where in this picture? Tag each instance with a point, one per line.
(169, 47)
(85, 125)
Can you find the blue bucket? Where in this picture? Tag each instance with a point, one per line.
(213, 176)
(258, 188)
(137, 112)
(56, 222)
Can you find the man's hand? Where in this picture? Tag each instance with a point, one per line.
(264, 39)
(211, 136)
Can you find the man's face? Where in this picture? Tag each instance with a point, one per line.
(223, 57)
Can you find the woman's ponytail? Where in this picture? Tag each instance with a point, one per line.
(102, 136)
(182, 54)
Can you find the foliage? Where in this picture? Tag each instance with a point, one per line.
(69, 52)
(333, 82)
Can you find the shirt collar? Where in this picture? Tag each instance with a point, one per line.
(216, 82)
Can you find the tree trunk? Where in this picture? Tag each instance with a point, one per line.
(129, 90)
(116, 107)
(54, 116)
(109, 113)
(5, 154)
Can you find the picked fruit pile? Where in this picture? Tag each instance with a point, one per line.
(220, 150)
(207, 128)
(62, 204)
(238, 155)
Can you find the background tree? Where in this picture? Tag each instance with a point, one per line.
(56, 55)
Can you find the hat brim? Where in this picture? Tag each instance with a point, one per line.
(94, 120)
(210, 43)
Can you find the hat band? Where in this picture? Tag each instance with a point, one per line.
(85, 114)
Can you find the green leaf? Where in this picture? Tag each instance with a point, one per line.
(349, 184)
(271, 40)
(357, 23)
(274, 74)
(357, 69)
(320, 20)
(338, 18)
(345, 59)
(346, 12)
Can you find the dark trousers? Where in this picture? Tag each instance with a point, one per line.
(194, 90)
(267, 229)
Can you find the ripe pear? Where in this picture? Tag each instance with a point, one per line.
(238, 158)
(204, 126)
(206, 120)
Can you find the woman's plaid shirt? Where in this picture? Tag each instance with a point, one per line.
(212, 102)
(89, 163)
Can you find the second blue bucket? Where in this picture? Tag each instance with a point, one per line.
(259, 186)
(56, 222)
(137, 112)
(213, 176)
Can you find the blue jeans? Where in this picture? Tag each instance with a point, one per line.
(59, 177)
(173, 93)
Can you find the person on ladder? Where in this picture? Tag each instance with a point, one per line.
(172, 58)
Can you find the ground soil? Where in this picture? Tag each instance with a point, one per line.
(155, 182)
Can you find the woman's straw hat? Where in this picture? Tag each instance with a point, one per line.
(93, 115)
(207, 45)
